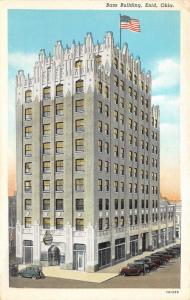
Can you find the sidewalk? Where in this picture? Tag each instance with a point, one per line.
(97, 277)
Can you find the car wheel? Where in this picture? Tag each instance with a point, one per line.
(34, 277)
(124, 274)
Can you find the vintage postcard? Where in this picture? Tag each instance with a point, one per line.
(94, 150)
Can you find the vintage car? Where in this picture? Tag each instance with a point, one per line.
(34, 272)
(144, 264)
(132, 269)
(152, 265)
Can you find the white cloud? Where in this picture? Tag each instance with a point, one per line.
(166, 74)
(22, 61)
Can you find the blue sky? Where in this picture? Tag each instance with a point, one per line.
(158, 46)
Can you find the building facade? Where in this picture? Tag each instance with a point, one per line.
(88, 158)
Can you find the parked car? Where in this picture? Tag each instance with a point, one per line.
(144, 264)
(34, 272)
(155, 260)
(163, 260)
(152, 264)
(165, 256)
(132, 269)
(13, 270)
(173, 253)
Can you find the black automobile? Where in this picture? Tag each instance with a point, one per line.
(155, 260)
(153, 265)
(163, 260)
(172, 252)
(13, 270)
(146, 265)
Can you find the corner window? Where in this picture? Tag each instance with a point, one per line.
(28, 96)
(59, 90)
(79, 86)
(46, 93)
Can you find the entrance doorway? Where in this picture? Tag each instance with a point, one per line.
(28, 251)
(133, 245)
(79, 257)
(53, 256)
(144, 235)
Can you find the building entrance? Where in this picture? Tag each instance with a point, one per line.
(28, 251)
(133, 245)
(119, 249)
(144, 241)
(104, 254)
(53, 256)
(79, 257)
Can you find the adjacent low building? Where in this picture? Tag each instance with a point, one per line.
(88, 158)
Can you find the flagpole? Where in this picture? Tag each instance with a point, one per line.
(120, 31)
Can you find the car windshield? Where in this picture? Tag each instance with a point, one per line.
(130, 266)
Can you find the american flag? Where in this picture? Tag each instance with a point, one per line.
(128, 23)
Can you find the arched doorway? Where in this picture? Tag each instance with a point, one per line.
(53, 256)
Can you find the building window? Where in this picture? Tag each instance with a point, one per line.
(59, 165)
(46, 93)
(99, 126)
(147, 90)
(142, 203)
(122, 102)
(79, 125)
(59, 147)
(46, 167)
(100, 145)
(28, 168)
(107, 91)
(116, 204)
(130, 123)
(46, 185)
(28, 149)
(122, 135)
(107, 185)
(106, 166)
(130, 204)
(100, 204)
(142, 188)
(146, 203)
(122, 221)
(122, 169)
(130, 172)
(146, 103)
(100, 185)
(79, 145)
(130, 188)
(46, 148)
(106, 147)
(98, 59)
(130, 155)
(122, 152)
(130, 107)
(136, 219)
(131, 220)
(28, 132)
(122, 186)
(100, 224)
(106, 204)
(28, 186)
(79, 165)
(122, 85)
(115, 63)
(106, 129)
(106, 109)
(79, 185)
(135, 188)
(46, 111)
(106, 223)
(28, 96)
(59, 185)
(122, 68)
(59, 223)
(142, 219)
(78, 64)
(122, 203)
(59, 90)
(79, 204)
(28, 222)
(115, 133)
(115, 167)
(142, 85)
(122, 119)
(116, 185)
(135, 95)
(79, 105)
(135, 79)
(100, 87)
(59, 109)
(115, 115)
(80, 224)
(28, 114)
(130, 91)
(59, 128)
(100, 107)
(46, 223)
(135, 125)
(130, 76)
(100, 165)
(116, 81)
(116, 222)
(46, 204)
(79, 86)
(135, 157)
(116, 98)
(59, 204)
(135, 172)
(46, 129)
(28, 204)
